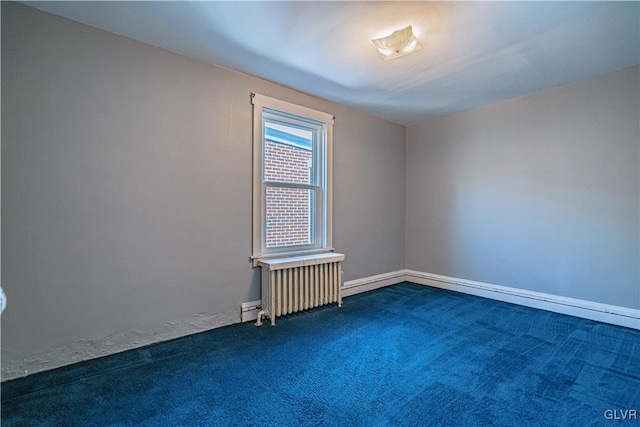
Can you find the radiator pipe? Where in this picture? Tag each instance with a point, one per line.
(260, 315)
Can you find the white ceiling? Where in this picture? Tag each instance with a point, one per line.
(474, 53)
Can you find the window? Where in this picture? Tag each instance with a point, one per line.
(291, 179)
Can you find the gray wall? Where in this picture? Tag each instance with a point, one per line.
(539, 193)
(126, 199)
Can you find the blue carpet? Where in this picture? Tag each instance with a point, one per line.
(405, 355)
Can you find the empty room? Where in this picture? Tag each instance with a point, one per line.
(320, 213)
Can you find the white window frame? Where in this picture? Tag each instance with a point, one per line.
(321, 124)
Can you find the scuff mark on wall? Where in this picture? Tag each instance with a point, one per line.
(116, 342)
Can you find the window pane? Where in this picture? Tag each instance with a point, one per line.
(289, 216)
(288, 154)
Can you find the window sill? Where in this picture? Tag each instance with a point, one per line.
(281, 261)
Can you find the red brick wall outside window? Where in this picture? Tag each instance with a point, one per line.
(288, 210)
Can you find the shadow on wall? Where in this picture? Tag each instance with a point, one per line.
(531, 235)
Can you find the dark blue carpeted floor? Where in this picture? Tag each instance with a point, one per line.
(406, 355)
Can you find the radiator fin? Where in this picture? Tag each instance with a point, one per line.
(290, 285)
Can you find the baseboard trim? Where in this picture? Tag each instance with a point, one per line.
(616, 315)
(249, 310)
(612, 314)
(357, 286)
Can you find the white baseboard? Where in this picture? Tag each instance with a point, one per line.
(613, 314)
(249, 310)
(353, 287)
(616, 315)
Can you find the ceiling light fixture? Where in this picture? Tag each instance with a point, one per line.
(397, 44)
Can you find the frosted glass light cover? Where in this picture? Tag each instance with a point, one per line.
(397, 44)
